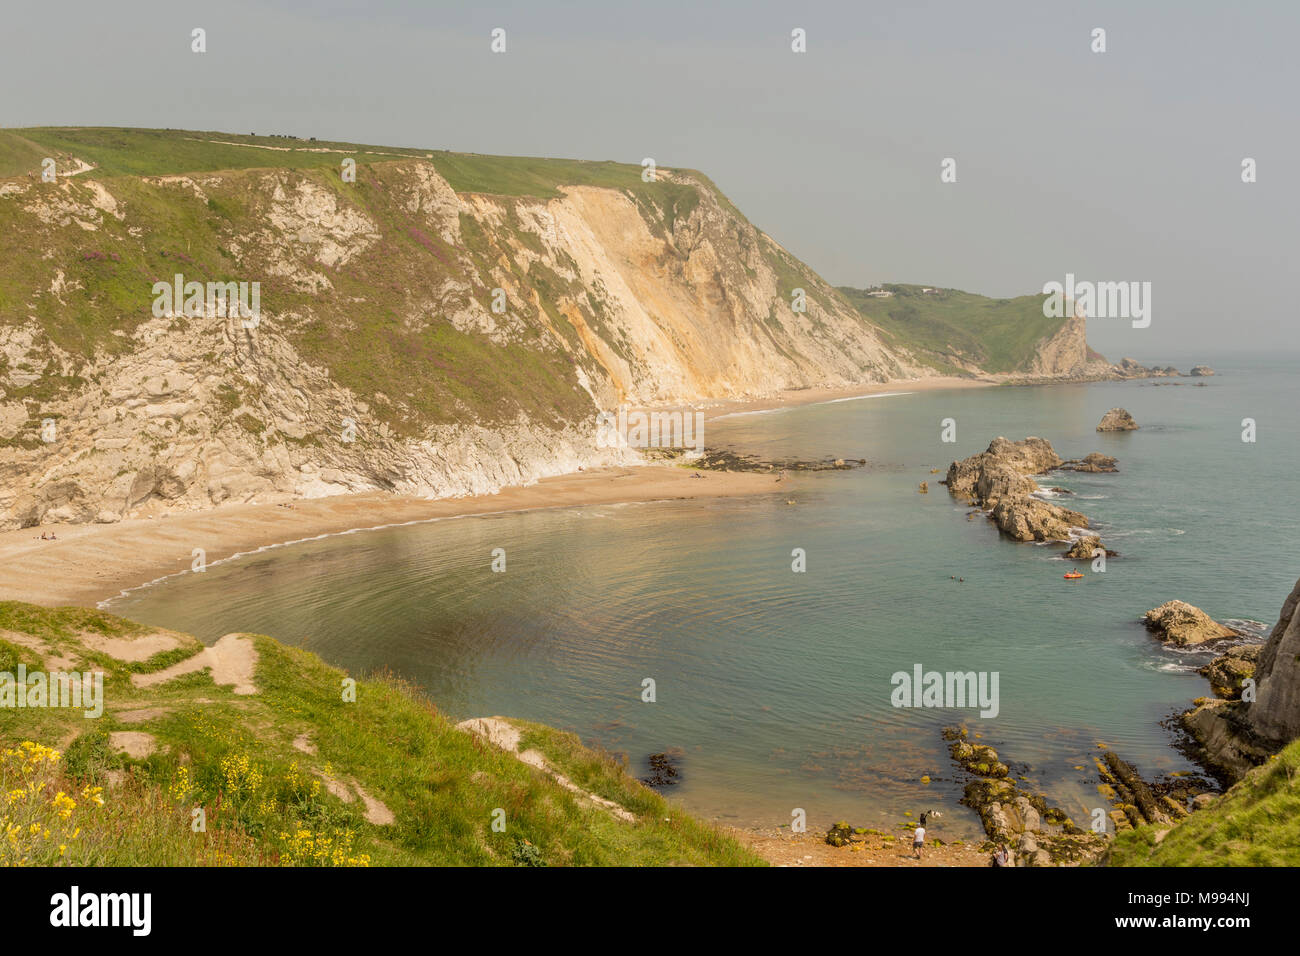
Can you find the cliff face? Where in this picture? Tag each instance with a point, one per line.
(1236, 735)
(1064, 353)
(1275, 715)
(410, 337)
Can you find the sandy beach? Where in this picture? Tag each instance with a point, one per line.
(813, 396)
(874, 849)
(90, 563)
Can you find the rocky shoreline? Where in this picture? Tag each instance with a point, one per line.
(1254, 713)
(1255, 710)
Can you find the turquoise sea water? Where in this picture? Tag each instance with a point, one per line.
(775, 686)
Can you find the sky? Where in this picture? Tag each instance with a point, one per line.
(1123, 165)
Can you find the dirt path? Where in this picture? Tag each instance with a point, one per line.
(501, 733)
(233, 660)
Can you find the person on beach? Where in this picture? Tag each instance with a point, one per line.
(1000, 856)
(918, 840)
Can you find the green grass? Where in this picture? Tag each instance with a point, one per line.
(999, 335)
(266, 801)
(158, 152)
(1256, 823)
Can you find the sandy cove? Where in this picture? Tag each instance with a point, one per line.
(816, 396)
(89, 563)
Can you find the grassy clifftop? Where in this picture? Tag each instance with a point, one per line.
(953, 330)
(1256, 823)
(285, 770)
(167, 152)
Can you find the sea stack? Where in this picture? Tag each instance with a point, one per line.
(1117, 420)
(1182, 624)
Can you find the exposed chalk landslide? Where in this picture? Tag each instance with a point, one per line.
(999, 481)
(1037, 833)
(1233, 735)
(418, 332)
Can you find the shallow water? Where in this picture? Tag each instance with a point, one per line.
(775, 686)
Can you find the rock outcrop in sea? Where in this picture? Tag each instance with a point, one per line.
(1086, 548)
(1117, 420)
(1094, 462)
(1183, 624)
(998, 480)
(1201, 371)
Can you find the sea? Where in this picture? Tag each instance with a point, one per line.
(684, 627)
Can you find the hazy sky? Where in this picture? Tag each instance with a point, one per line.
(1123, 165)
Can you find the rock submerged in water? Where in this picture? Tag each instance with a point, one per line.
(1201, 371)
(1038, 834)
(1094, 463)
(663, 769)
(1183, 624)
(1117, 420)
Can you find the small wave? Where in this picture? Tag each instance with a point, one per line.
(858, 398)
(1092, 497)
(1133, 531)
(1169, 667)
(1255, 628)
(760, 411)
(125, 592)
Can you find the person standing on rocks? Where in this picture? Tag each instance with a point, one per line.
(918, 840)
